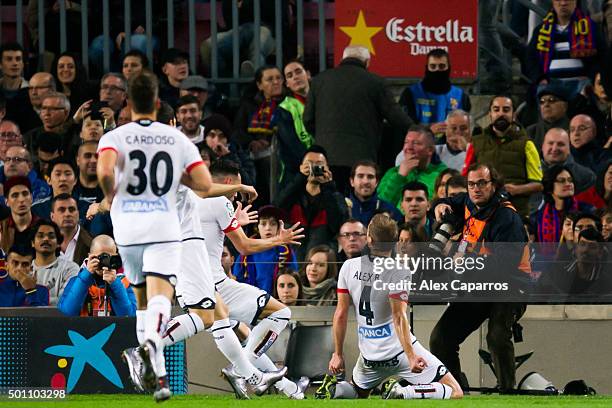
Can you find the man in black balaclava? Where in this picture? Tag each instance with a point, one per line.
(428, 102)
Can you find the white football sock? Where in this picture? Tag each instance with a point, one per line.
(182, 327)
(229, 346)
(434, 390)
(156, 318)
(264, 333)
(140, 325)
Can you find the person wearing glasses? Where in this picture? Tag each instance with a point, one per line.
(26, 112)
(586, 148)
(10, 135)
(351, 240)
(553, 104)
(490, 219)
(17, 163)
(505, 145)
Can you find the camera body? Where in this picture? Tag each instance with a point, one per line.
(109, 261)
(95, 110)
(317, 170)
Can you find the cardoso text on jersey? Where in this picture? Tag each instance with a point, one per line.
(150, 139)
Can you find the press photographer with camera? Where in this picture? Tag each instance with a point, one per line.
(488, 220)
(99, 289)
(312, 198)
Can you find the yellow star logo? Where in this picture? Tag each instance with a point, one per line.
(361, 34)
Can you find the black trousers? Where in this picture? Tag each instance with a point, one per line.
(459, 320)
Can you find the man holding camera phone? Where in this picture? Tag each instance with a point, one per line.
(99, 289)
(489, 222)
(312, 199)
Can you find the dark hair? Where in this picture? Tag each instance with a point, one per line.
(50, 142)
(438, 53)
(2, 101)
(144, 61)
(332, 266)
(508, 96)
(448, 170)
(456, 181)
(11, 46)
(412, 229)
(16, 181)
(600, 186)
(415, 186)
(591, 234)
(365, 163)
(61, 160)
(187, 100)
(224, 168)
(204, 149)
(496, 178)
(550, 175)
(352, 221)
(43, 222)
(259, 72)
(62, 197)
(20, 249)
(582, 215)
(294, 275)
(165, 113)
(142, 92)
(424, 130)
(317, 149)
(80, 76)
(87, 143)
(294, 61)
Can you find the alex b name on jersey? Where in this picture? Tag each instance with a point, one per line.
(379, 332)
(144, 206)
(366, 276)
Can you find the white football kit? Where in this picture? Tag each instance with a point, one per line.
(151, 157)
(381, 353)
(245, 302)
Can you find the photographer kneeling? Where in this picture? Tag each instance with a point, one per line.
(98, 290)
(489, 221)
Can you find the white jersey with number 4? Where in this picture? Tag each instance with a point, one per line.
(217, 216)
(151, 157)
(377, 337)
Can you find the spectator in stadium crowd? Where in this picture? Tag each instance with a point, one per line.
(495, 220)
(420, 164)
(351, 240)
(55, 117)
(133, 63)
(364, 201)
(17, 220)
(455, 186)
(314, 201)
(50, 269)
(125, 115)
(113, 91)
(255, 123)
(17, 163)
(10, 135)
(319, 276)
(505, 146)
(603, 102)
(196, 85)
(440, 183)
(219, 140)
(586, 149)
(293, 138)
(227, 259)
(175, 67)
(27, 114)
(97, 289)
(327, 118)
(584, 276)
(566, 242)
(49, 149)
(17, 284)
(288, 288)
(12, 63)
(260, 269)
(559, 56)
(87, 188)
(188, 117)
(407, 236)
(91, 130)
(430, 101)
(606, 224)
(415, 204)
(62, 180)
(558, 199)
(553, 113)
(71, 79)
(76, 242)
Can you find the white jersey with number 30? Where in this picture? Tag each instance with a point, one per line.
(371, 297)
(151, 157)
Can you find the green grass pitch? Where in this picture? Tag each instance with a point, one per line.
(201, 401)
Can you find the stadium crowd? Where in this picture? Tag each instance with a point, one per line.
(548, 167)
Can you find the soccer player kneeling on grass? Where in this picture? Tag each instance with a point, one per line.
(387, 347)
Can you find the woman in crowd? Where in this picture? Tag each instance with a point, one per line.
(71, 79)
(606, 224)
(440, 183)
(288, 288)
(600, 195)
(319, 276)
(133, 63)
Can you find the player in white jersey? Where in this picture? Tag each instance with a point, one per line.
(246, 303)
(386, 346)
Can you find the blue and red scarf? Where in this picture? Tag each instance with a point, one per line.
(550, 221)
(581, 36)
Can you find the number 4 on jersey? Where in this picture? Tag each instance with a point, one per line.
(364, 305)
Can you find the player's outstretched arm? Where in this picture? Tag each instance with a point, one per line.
(336, 364)
(218, 190)
(247, 246)
(402, 329)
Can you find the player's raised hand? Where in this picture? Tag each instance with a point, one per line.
(336, 364)
(244, 216)
(249, 191)
(417, 364)
(291, 235)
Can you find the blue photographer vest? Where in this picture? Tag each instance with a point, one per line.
(433, 108)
